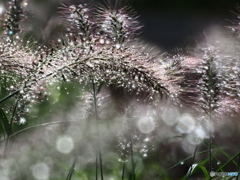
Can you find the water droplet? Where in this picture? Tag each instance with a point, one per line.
(22, 120)
(146, 139)
(10, 32)
(181, 163)
(101, 41)
(117, 46)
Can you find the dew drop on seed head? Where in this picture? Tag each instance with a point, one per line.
(10, 32)
(22, 120)
(146, 139)
(117, 46)
(101, 41)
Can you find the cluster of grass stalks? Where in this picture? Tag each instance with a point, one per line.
(97, 103)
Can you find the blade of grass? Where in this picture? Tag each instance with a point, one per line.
(205, 172)
(229, 161)
(66, 167)
(191, 169)
(123, 170)
(196, 167)
(71, 170)
(80, 175)
(224, 153)
(177, 164)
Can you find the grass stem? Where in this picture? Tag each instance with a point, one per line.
(99, 154)
(133, 177)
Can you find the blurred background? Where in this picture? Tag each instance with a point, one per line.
(174, 23)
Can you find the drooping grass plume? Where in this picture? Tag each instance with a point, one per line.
(89, 54)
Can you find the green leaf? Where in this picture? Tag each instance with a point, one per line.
(205, 172)
(194, 168)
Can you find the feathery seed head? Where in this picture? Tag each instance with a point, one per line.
(117, 22)
(79, 21)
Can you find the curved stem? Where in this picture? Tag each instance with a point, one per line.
(9, 96)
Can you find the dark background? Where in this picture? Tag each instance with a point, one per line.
(176, 23)
(168, 24)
